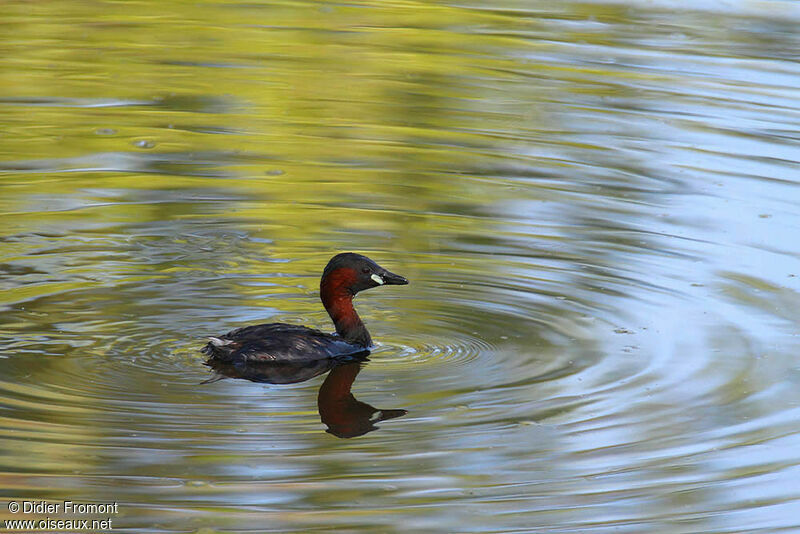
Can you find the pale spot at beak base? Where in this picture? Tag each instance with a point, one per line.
(378, 280)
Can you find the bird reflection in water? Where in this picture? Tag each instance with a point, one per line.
(343, 414)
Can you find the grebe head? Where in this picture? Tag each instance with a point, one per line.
(344, 276)
(353, 273)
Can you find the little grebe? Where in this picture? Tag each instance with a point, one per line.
(344, 276)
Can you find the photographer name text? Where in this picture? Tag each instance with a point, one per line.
(68, 508)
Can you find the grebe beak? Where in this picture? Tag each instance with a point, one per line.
(390, 279)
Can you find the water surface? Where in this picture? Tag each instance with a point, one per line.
(595, 203)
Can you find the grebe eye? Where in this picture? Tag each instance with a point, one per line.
(365, 270)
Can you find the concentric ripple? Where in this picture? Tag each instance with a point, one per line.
(423, 350)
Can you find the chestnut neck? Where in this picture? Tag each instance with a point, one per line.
(338, 301)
